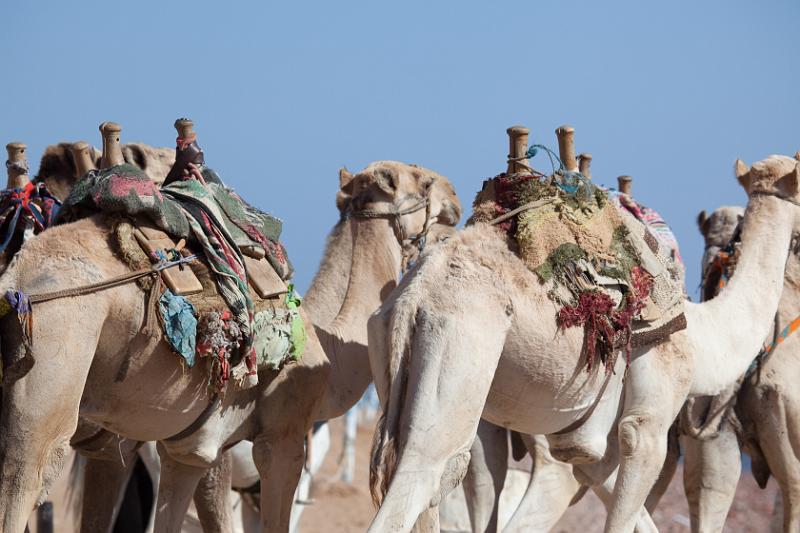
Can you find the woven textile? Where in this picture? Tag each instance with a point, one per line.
(208, 214)
(599, 263)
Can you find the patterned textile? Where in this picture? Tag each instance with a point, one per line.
(657, 226)
(209, 214)
(600, 264)
(280, 334)
(33, 205)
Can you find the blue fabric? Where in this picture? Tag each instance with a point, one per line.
(180, 324)
(19, 301)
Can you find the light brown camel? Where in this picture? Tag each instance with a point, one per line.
(712, 463)
(472, 313)
(553, 485)
(276, 415)
(759, 413)
(322, 302)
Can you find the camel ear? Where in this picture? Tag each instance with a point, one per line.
(702, 218)
(134, 155)
(742, 174)
(345, 180)
(790, 183)
(797, 155)
(388, 180)
(449, 207)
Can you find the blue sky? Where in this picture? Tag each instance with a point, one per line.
(283, 94)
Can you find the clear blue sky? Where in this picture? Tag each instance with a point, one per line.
(283, 94)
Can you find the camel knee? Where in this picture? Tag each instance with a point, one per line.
(204, 456)
(577, 449)
(634, 433)
(454, 472)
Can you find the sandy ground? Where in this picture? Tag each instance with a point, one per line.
(344, 508)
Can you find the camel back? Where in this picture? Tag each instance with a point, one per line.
(601, 265)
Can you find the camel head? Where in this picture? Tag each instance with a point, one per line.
(58, 171)
(776, 175)
(718, 229)
(390, 186)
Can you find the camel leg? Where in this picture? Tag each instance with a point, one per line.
(36, 433)
(667, 471)
(644, 523)
(212, 497)
(149, 456)
(104, 488)
(428, 468)
(279, 463)
(176, 486)
(642, 435)
(551, 490)
(711, 474)
(486, 475)
(428, 521)
(779, 439)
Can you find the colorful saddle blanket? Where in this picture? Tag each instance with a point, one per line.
(220, 223)
(602, 265)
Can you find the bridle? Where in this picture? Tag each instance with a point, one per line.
(406, 242)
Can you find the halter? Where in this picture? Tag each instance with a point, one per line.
(395, 216)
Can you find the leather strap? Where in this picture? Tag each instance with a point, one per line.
(582, 420)
(199, 421)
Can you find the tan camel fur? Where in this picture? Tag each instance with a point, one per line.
(759, 414)
(84, 340)
(471, 332)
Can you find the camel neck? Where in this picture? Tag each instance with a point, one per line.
(326, 293)
(728, 331)
(374, 269)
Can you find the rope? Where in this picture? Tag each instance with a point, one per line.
(109, 283)
(399, 232)
(520, 209)
(534, 149)
(770, 347)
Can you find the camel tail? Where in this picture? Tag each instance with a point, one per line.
(384, 455)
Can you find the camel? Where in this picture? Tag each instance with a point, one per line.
(553, 485)
(59, 172)
(712, 457)
(756, 413)
(322, 302)
(392, 204)
(523, 372)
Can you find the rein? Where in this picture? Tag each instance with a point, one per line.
(110, 283)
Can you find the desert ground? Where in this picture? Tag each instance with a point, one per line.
(344, 508)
